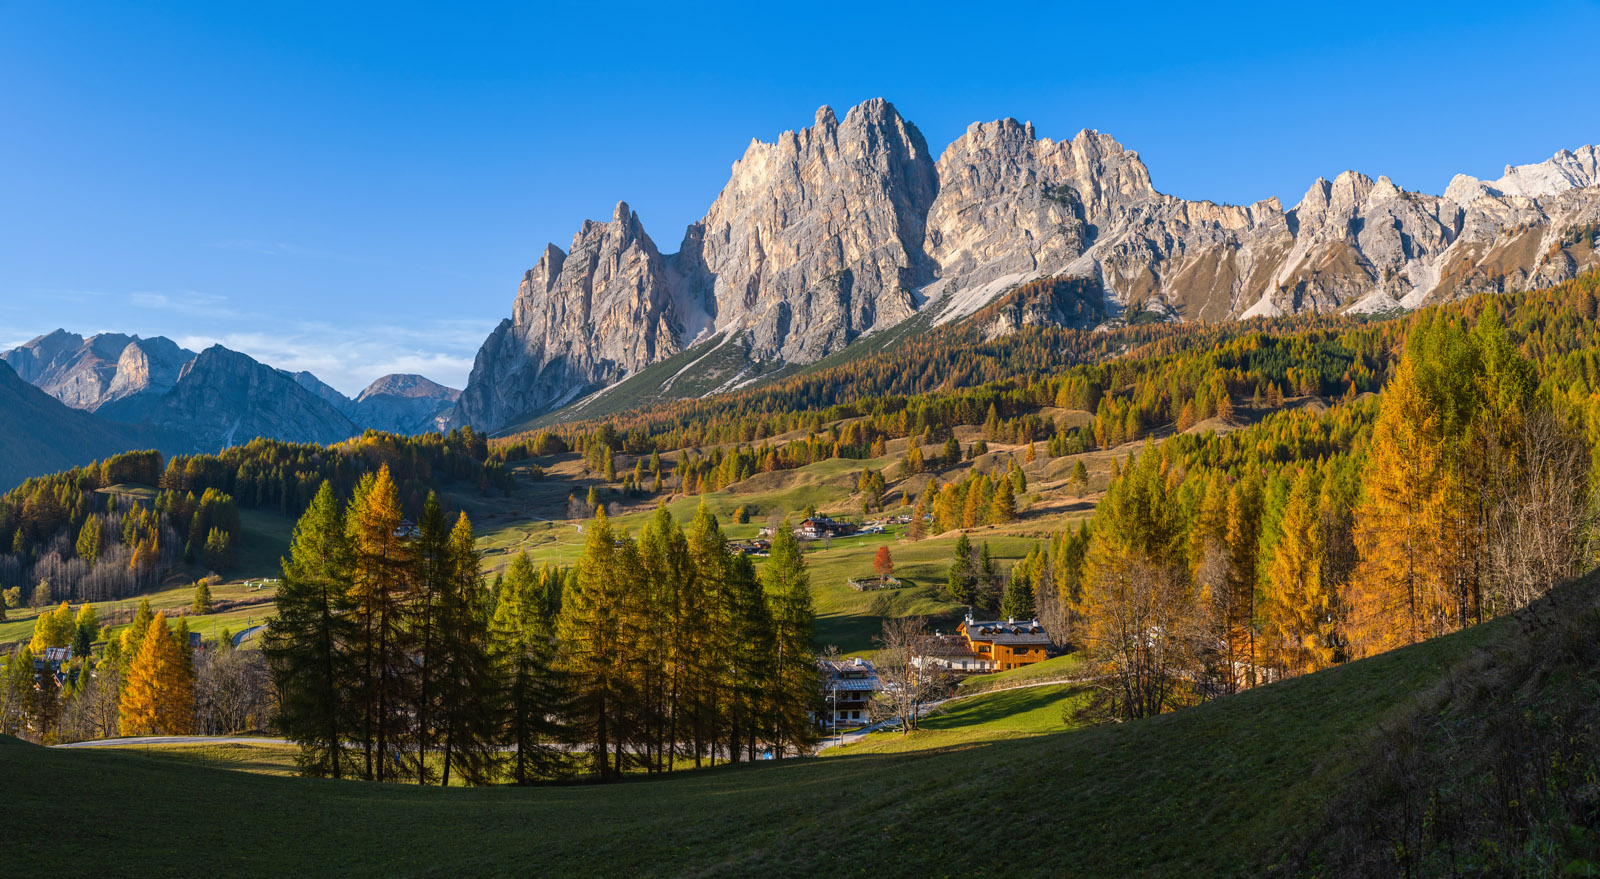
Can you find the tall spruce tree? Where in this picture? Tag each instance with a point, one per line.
(1400, 593)
(590, 635)
(1298, 603)
(308, 643)
(429, 581)
(530, 694)
(795, 697)
(961, 583)
(466, 716)
(158, 696)
(661, 638)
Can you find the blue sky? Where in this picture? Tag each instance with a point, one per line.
(357, 188)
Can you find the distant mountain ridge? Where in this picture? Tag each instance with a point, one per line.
(89, 373)
(129, 379)
(850, 226)
(40, 434)
(109, 393)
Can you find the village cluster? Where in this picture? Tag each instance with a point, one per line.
(975, 647)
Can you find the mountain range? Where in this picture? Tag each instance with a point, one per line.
(109, 393)
(850, 227)
(830, 236)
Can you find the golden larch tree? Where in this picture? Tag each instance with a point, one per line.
(1400, 593)
(158, 697)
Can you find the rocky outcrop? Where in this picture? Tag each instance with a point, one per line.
(225, 398)
(849, 226)
(89, 373)
(583, 318)
(818, 236)
(322, 389)
(402, 404)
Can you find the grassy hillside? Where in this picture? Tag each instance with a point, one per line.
(1231, 787)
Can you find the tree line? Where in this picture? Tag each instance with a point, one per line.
(395, 660)
(1219, 563)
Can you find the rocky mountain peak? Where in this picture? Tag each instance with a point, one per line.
(591, 315)
(223, 397)
(1564, 171)
(817, 237)
(406, 385)
(403, 404)
(89, 373)
(826, 233)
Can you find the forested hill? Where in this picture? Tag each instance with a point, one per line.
(78, 532)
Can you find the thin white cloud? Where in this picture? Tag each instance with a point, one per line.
(351, 359)
(188, 302)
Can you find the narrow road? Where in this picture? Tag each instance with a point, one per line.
(239, 638)
(175, 740)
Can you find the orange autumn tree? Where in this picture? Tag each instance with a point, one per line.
(883, 563)
(1400, 592)
(381, 556)
(158, 697)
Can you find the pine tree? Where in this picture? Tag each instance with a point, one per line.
(429, 580)
(308, 642)
(158, 696)
(794, 697)
(749, 646)
(86, 627)
(1080, 478)
(1137, 604)
(1399, 594)
(1004, 508)
(961, 584)
(90, 539)
(202, 597)
(589, 632)
(219, 550)
(467, 700)
(1239, 604)
(989, 582)
(1018, 603)
(523, 651)
(663, 638)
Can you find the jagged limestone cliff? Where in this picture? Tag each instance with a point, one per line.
(849, 227)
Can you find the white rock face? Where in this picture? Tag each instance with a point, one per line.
(1561, 172)
(849, 227)
(818, 236)
(585, 317)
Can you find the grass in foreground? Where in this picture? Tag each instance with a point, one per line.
(1214, 790)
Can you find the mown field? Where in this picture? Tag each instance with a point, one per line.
(1218, 789)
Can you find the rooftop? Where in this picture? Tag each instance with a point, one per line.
(1014, 633)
